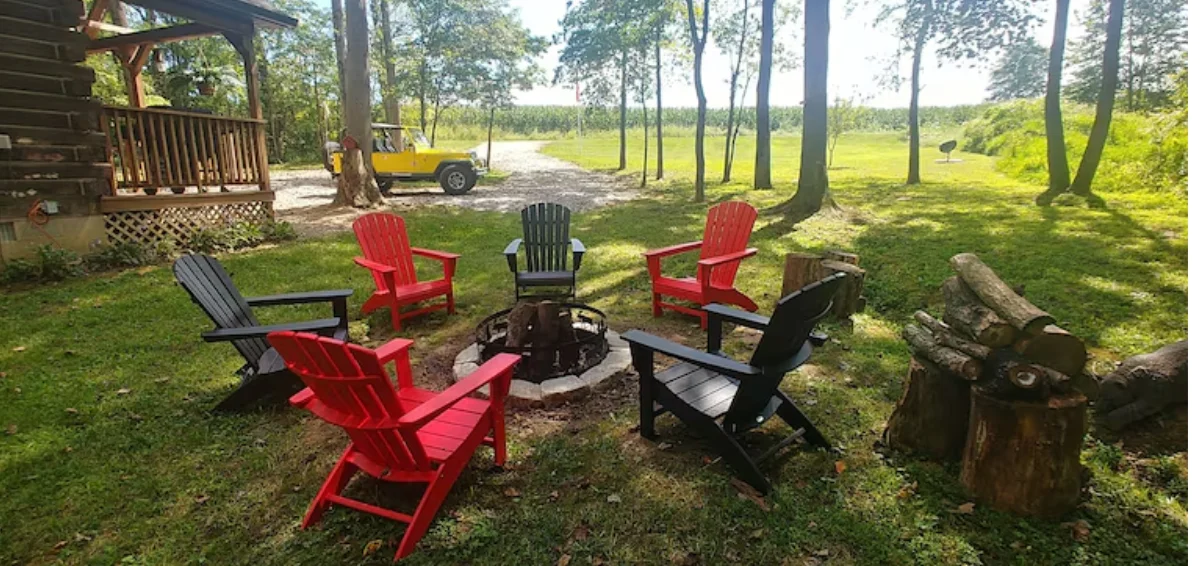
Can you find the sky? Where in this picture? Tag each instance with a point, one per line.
(859, 53)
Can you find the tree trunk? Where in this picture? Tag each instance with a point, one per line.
(658, 110)
(1023, 457)
(422, 92)
(1056, 144)
(491, 120)
(762, 110)
(997, 295)
(1129, 79)
(437, 114)
(814, 178)
(645, 141)
(914, 117)
(699, 39)
(932, 415)
(1104, 107)
(391, 105)
(733, 86)
(968, 315)
(621, 162)
(339, 43)
(358, 188)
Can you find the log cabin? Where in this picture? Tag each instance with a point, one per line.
(76, 173)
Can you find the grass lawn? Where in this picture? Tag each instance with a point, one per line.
(111, 456)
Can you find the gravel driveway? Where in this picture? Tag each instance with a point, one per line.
(303, 197)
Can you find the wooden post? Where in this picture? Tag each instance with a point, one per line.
(1023, 457)
(245, 47)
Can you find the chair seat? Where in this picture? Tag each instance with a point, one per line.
(445, 433)
(703, 389)
(544, 278)
(422, 290)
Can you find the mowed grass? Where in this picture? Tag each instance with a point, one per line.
(111, 456)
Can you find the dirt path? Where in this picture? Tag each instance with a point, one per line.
(302, 197)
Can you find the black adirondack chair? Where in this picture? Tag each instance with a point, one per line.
(723, 398)
(547, 240)
(265, 380)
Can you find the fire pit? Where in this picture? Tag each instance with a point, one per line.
(566, 351)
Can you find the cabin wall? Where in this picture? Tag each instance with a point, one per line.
(53, 168)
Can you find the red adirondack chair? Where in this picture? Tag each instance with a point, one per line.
(398, 433)
(384, 243)
(721, 251)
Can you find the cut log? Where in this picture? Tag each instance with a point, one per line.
(545, 338)
(1008, 376)
(848, 298)
(998, 295)
(1054, 348)
(520, 321)
(922, 343)
(931, 417)
(1023, 457)
(1143, 386)
(567, 357)
(944, 335)
(800, 269)
(844, 257)
(968, 315)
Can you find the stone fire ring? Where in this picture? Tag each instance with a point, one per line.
(554, 392)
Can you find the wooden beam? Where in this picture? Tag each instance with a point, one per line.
(95, 14)
(187, 200)
(152, 37)
(94, 27)
(243, 24)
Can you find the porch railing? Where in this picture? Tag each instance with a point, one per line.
(152, 148)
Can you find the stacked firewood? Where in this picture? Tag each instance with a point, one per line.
(997, 384)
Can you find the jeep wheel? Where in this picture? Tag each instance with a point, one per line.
(385, 185)
(457, 179)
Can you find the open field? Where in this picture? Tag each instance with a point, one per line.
(110, 455)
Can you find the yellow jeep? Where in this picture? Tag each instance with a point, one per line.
(402, 153)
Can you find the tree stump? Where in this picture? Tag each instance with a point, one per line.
(931, 417)
(845, 257)
(1023, 457)
(800, 269)
(848, 299)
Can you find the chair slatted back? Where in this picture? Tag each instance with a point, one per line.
(727, 231)
(783, 347)
(352, 391)
(211, 287)
(547, 229)
(383, 238)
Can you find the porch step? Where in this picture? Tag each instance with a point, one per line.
(30, 135)
(51, 171)
(57, 153)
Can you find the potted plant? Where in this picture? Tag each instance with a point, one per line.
(205, 78)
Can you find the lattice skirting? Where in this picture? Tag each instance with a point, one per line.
(180, 223)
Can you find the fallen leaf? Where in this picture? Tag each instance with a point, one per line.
(162, 380)
(60, 544)
(614, 498)
(964, 509)
(907, 491)
(201, 499)
(511, 492)
(823, 553)
(554, 495)
(664, 446)
(580, 533)
(1080, 530)
(564, 560)
(72, 411)
(123, 391)
(80, 537)
(19, 349)
(597, 561)
(705, 460)
(812, 524)
(839, 466)
(69, 352)
(17, 390)
(372, 547)
(3, 374)
(756, 534)
(68, 449)
(11, 430)
(135, 417)
(747, 491)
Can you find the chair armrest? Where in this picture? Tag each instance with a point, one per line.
(299, 298)
(393, 349)
(510, 253)
(735, 256)
(498, 368)
(228, 334)
(722, 313)
(449, 260)
(301, 399)
(673, 250)
(721, 364)
(577, 250)
(375, 266)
